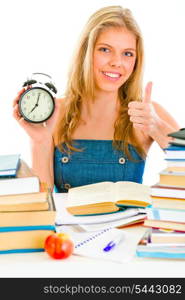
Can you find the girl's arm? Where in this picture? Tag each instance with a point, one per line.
(41, 139)
(164, 125)
(42, 161)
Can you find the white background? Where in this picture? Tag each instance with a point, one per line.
(39, 36)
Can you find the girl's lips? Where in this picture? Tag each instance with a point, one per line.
(113, 76)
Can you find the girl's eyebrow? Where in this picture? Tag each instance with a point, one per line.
(105, 44)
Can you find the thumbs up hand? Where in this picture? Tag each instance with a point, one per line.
(143, 114)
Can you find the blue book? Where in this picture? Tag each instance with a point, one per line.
(26, 250)
(175, 148)
(26, 228)
(161, 254)
(176, 161)
(24, 239)
(175, 152)
(9, 165)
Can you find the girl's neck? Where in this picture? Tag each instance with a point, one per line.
(104, 96)
(102, 104)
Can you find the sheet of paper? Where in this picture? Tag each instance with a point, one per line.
(123, 252)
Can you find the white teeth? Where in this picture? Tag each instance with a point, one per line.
(113, 75)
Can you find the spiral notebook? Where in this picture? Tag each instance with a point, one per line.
(91, 244)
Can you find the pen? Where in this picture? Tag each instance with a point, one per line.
(112, 243)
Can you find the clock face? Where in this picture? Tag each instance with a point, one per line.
(36, 105)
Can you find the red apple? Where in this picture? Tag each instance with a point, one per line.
(59, 245)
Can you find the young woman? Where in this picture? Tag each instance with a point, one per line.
(104, 127)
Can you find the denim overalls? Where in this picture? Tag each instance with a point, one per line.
(98, 161)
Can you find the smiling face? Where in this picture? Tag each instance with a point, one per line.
(114, 59)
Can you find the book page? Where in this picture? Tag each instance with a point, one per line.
(90, 194)
(127, 190)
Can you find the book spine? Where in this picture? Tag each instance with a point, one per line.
(27, 228)
(21, 250)
(161, 254)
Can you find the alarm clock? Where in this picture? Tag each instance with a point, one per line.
(36, 104)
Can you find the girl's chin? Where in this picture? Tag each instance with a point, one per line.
(107, 88)
(108, 85)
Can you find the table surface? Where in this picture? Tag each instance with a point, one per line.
(41, 265)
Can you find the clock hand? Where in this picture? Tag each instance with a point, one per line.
(38, 99)
(35, 104)
(33, 108)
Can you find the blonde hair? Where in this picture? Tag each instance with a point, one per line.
(81, 82)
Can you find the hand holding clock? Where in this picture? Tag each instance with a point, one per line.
(37, 132)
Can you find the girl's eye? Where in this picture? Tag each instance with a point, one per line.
(128, 53)
(104, 49)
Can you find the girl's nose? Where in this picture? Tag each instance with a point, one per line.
(116, 61)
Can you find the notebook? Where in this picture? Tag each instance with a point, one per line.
(91, 244)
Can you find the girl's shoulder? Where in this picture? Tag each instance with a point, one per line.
(62, 101)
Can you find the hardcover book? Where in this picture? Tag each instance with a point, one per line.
(164, 236)
(24, 202)
(166, 219)
(172, 178)
(24, 239)
(178, 226)
(158, 190)
(168, 202)
(107, 197)
(180, 134)
(173, 215)
(9, 165)
(175, 152)
(12, 186)
(178, 137)
(31, 217)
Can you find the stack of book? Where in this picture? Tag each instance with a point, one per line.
(166, 217)
(27, 209)
(162, 244)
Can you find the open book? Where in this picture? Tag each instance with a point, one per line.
(107, 197)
